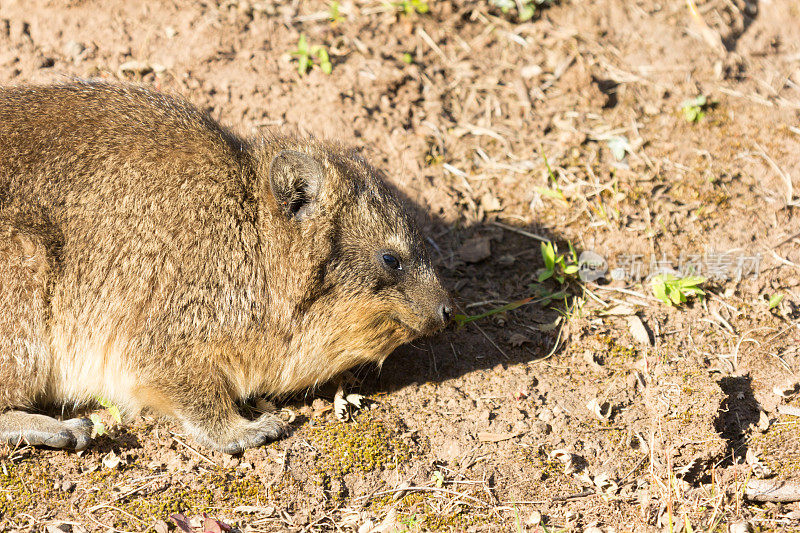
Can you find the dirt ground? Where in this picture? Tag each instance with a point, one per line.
(605, 409)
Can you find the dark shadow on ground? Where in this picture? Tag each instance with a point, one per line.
(503, 276)
(739, 410)
(749, 12)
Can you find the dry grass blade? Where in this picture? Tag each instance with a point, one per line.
(710, 36)
(520, 231)
(430, 489)
(488, 436)
(787, 181)
(194, 451)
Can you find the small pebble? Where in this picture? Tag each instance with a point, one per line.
(540, 427)
(73, 49)
(546, 415)
(742, 526)
(534, 519)
(530, 71)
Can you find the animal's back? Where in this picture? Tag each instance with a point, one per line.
(70, 143)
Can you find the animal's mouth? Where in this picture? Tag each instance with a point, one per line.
(413, 332)
(403, 325)
(410, 330)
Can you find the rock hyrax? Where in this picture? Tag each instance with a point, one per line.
(154, 258)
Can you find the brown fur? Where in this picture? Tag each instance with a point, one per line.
(151, 257)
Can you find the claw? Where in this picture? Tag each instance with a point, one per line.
(341, 402)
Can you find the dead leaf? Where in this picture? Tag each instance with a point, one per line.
(788, 390)
(604, 482)
(618, 310)
(600, 410)
(548, 326)
(489, 202)
(560, 454)
(759, 468)
(212, 525)
(572, 462)
(475, 250)
(287, 415)
(763, 421)
(689, 469)
(182, 522)
(111, 460)
(320, 407)
(518, 339)
(638, 331)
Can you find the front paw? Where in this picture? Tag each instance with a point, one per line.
(253, 433)
(17, 427)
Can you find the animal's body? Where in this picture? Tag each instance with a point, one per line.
(152, 257)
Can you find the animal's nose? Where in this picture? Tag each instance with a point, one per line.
(446, 312)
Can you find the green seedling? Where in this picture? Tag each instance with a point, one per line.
(411, 521)
(675, 291)
(695, 109)
(334, 14)
(545, 296)
(438, 478)
(518, 519)
(407, 58)
(559, 267)
(97, 424)
(307, 54)
(409, 7)
(113, 410)
(553, 191)
(460, 320)
(525, 9)
(555, 194)
(774, 301)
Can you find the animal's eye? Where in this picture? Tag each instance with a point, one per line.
(391, 262)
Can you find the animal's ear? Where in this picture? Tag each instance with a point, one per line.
(296, 182)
